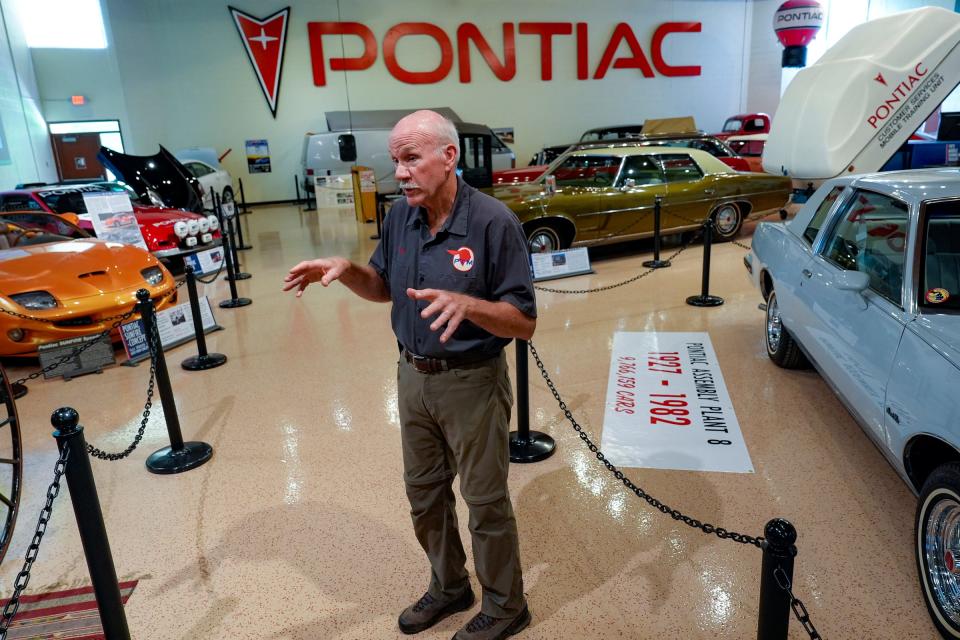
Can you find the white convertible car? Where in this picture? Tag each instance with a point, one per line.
(864, 283)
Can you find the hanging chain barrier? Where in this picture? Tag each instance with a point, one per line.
(799, 611)
(783, 581)
(153, 342)
(642, 274)
(213, 277)
(707, 528)
(23, 578)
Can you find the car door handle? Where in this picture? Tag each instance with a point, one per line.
(807, 273)
(709, 192)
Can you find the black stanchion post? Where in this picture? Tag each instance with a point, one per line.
(179, 456)
(379, 217)
(773, 620)
(232, 222)
(234, 300)
(19, 390)
(705, 299)
(296, 185)
(526, 445)
(241, 245)
(243, 198)
(309, 196)
(93, 533)
(202, 360)
(656, 263)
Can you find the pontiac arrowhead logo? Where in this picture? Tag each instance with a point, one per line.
(264, 40)
(880, 79)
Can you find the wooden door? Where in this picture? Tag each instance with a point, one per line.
(76, 155)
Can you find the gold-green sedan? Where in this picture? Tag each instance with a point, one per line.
(601, 195)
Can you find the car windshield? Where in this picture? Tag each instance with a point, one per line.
(940, 290)
(732, 124)
(24, 229)
(713, 147)
(611, 134)
(70, 200)
(587, 171)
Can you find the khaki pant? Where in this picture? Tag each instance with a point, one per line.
(458, 422)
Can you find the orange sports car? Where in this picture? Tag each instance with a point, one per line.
(52, 270)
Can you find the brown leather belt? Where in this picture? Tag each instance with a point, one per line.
(425, 364)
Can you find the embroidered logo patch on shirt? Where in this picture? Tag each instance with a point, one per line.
(462, 258)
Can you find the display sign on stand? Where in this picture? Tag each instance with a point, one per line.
(112, 216)
(205, 262)
(334, 191)
(560, 264)
(174, 325)
(92, 359)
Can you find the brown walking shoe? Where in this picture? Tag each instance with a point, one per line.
(428, 611)
(484, 627)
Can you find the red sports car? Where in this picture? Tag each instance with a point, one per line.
(168, 233)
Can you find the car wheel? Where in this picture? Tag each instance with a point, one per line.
(938, 547)
(543, 239)
(781, 347)
(727, 221)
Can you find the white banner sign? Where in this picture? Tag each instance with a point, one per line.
(113, 219)
(668, 407)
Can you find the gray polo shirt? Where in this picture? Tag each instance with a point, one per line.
(480, 251)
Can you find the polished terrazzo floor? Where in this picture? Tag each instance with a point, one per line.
(299, 528)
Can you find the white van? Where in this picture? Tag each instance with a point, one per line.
(360, 138)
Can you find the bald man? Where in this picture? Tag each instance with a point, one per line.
(453, 263)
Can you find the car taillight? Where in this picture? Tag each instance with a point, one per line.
(309, 172)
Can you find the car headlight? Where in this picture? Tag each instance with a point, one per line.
(35, 300)
(214, 223)
(180, 228)
(204, 225)
(153, 275)
(193, 227)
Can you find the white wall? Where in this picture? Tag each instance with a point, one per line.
(176, 72)
(23, 125)
(186, 81)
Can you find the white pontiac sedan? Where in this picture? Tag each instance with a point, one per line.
(864, 283)
(204, 165)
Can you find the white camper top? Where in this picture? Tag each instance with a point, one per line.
(852, 109)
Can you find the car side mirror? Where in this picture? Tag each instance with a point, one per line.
(856, 281)
(550, 184)
(628, 184)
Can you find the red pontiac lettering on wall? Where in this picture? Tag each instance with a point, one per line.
(504, 66)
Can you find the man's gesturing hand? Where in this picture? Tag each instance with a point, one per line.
(322, 270)
(452, 307)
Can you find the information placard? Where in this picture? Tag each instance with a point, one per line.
(174, 325)
(94, 358)
(560, 264)
(334, 191)
(112, 217)
(667, 406)
(204, 262)
(228, 209)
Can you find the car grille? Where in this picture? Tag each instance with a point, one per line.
(81, 321)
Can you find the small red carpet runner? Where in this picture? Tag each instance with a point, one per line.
(61, 615)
